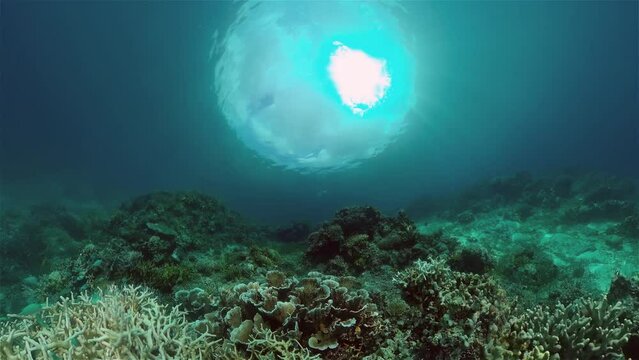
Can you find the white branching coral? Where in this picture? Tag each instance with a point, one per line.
(119, 323)
(584, 329)
(264, 344)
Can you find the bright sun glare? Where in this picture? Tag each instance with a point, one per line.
(316, 85)
(361, 80)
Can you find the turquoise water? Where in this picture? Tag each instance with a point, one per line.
(204, 152)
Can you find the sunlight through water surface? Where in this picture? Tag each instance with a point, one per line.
(316, 86)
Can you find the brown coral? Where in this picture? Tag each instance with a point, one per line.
(316, 311)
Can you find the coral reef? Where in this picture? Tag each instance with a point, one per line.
(400, 347)
(530, 267)
(265, 345)
(155, 240)
(326, 314)
(626, 290)
(294, 232)
(460, 312)
(507, 270)
(37, 244)
(361, 238)
(584, 329)
(472, 260)
(551, 238)
(115, 324)
(162, 226)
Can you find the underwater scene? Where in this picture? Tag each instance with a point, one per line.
(302, 180)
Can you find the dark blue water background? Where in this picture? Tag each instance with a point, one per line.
(102, 101)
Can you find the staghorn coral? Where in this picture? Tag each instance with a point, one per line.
(119, 323)
(264, 345)
(584, 329)
(272, 315)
